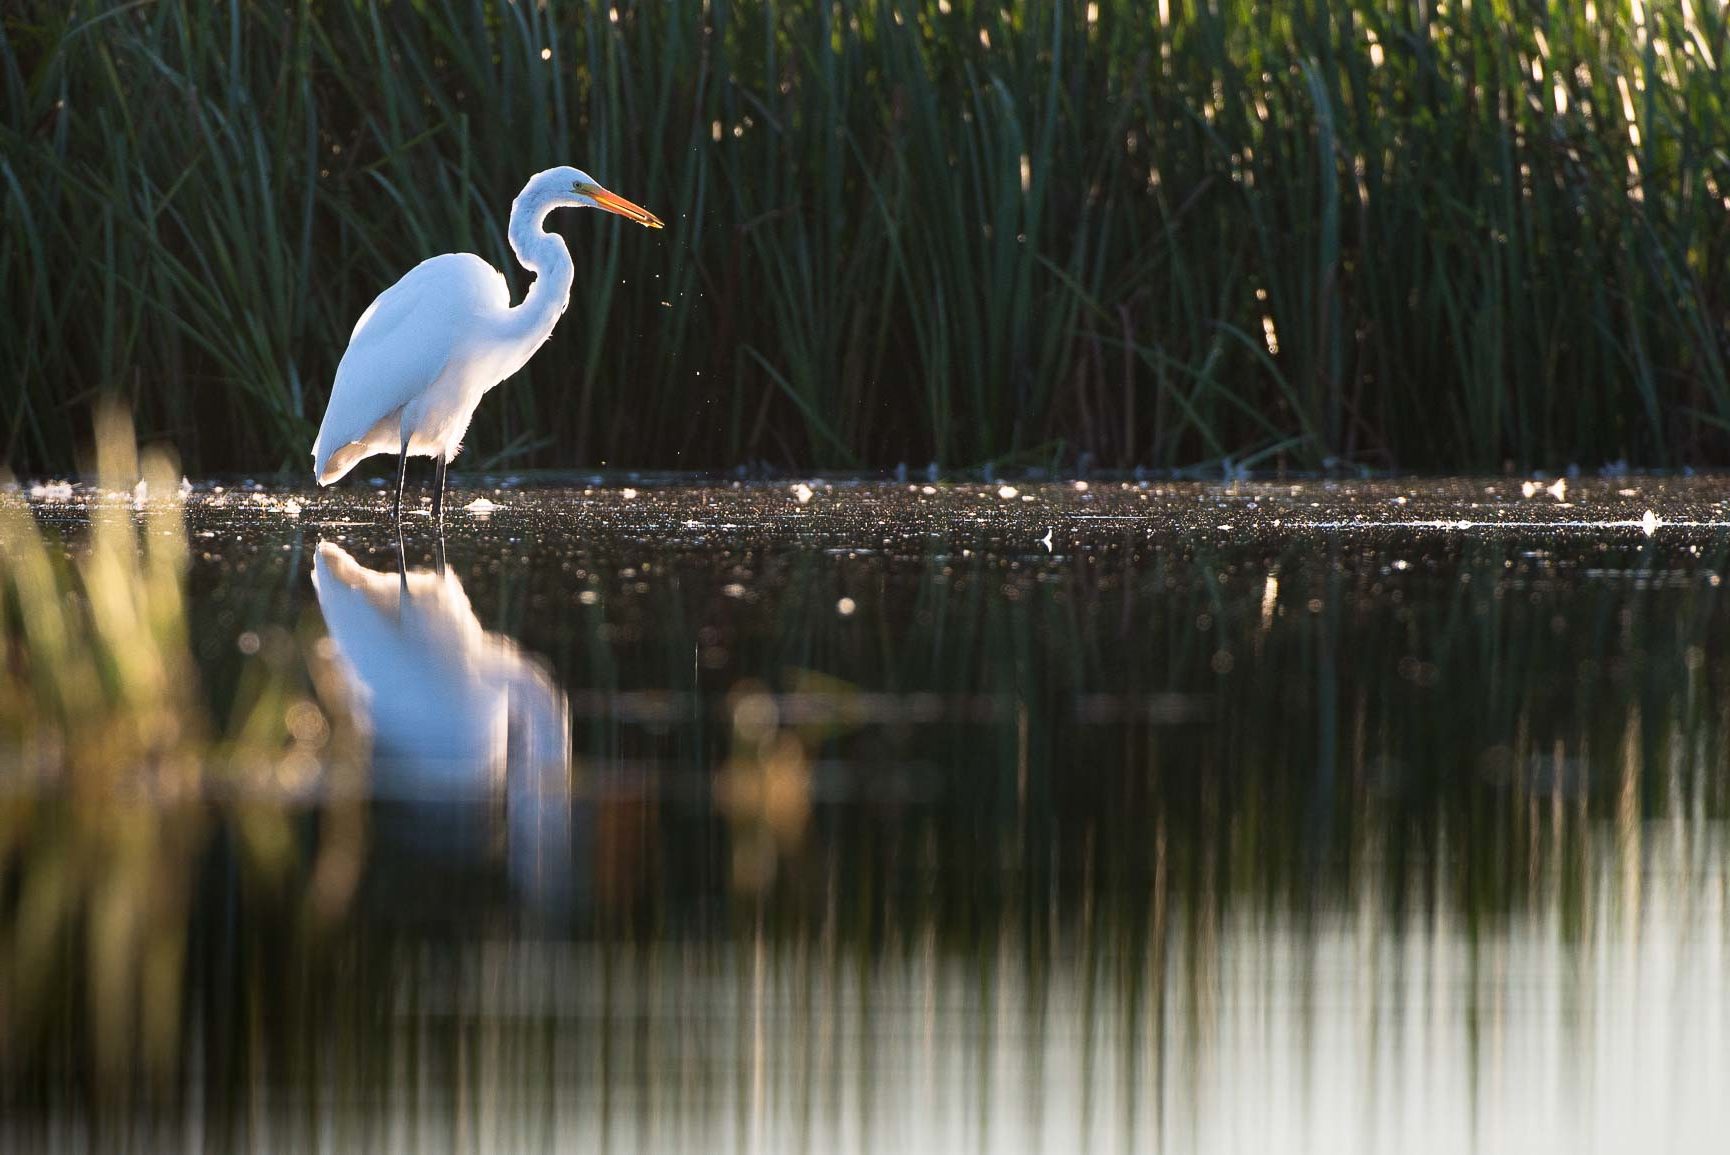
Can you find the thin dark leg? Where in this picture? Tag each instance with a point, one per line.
(401, 562)
(439, 490)
(401, 476)
(439, 552)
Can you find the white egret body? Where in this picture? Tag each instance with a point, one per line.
(424, 353)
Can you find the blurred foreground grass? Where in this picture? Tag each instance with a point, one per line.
(114, 778)
(1429, 236)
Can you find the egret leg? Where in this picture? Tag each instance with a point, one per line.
(439, 490)
(401, 476)
(401, 562)
(439, 553)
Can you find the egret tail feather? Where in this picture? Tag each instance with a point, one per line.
(339, 463)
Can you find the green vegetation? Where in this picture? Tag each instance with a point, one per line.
(1375, 232)
(114, 776)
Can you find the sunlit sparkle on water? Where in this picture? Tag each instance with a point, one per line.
(834, 816)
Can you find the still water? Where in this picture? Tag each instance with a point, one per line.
(869, 816)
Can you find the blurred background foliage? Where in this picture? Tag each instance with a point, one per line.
(1156, 233)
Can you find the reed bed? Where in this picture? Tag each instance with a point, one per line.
(1465, 234)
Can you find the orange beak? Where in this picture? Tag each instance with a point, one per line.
(614, 203)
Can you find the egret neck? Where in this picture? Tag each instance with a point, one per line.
(528, 325)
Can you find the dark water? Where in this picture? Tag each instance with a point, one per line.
(1315, 817)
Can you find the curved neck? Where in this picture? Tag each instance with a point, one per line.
(529, 324)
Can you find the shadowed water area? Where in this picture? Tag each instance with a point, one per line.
(840, 816)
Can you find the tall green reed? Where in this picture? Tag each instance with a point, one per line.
(1438, 236)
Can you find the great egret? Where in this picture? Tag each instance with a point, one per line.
(425, 352)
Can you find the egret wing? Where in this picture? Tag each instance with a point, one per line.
(400, 346)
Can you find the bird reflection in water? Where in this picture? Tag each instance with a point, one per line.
(463, 723)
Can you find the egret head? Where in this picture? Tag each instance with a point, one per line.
(567, 186)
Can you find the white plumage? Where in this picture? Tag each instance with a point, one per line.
(458, 716)
(411, 365)
(425, 352)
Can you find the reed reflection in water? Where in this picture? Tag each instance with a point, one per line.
(1183, 840)
(1219, 1027)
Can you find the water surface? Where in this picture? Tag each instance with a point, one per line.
(865, 816)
